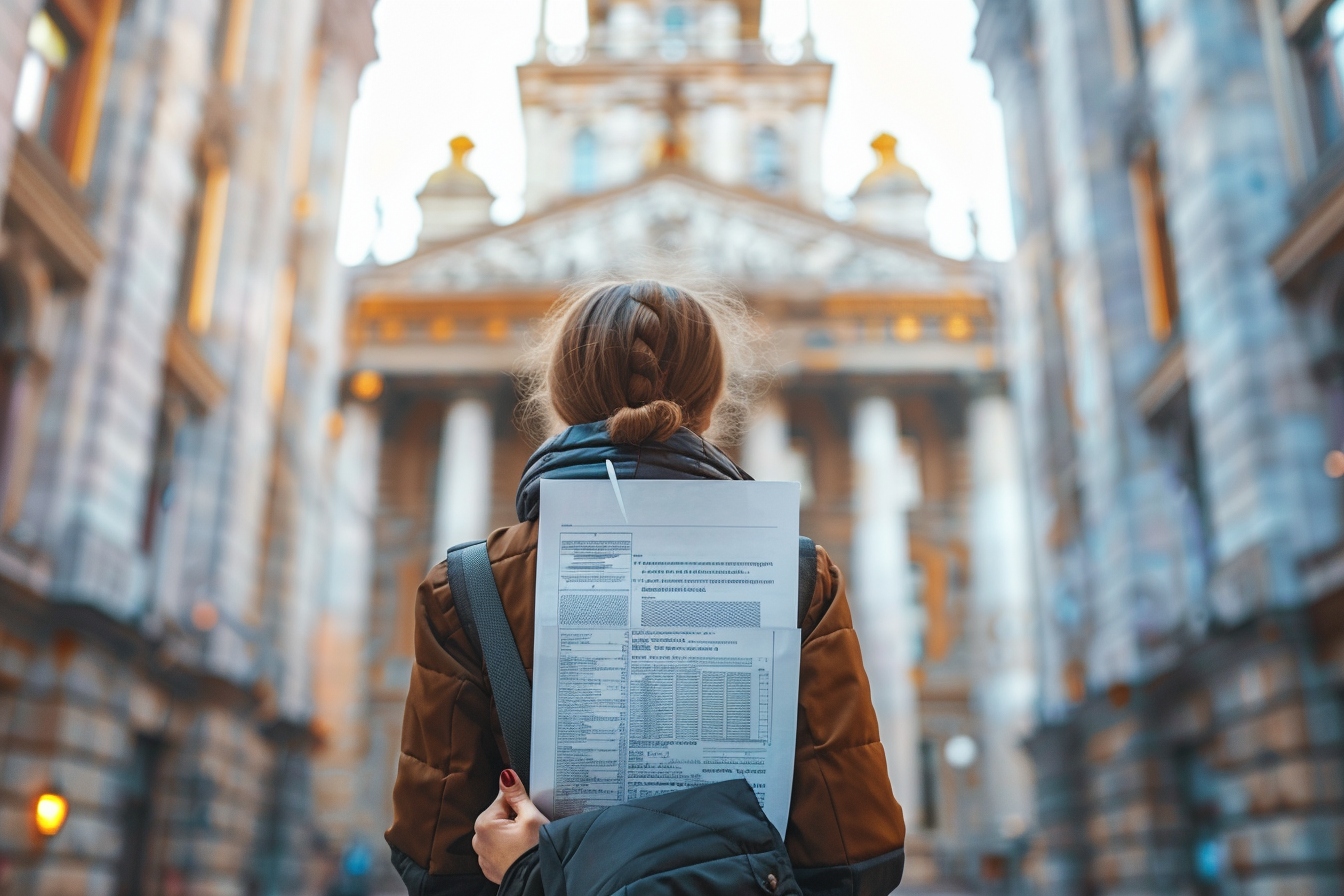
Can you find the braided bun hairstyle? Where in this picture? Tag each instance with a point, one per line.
(646, 357)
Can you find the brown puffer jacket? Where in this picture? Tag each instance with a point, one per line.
(843, 813)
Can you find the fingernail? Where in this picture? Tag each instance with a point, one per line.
(507, 778)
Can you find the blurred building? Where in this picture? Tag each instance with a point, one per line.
(673, 138)
(170, 319)
(1174, 328)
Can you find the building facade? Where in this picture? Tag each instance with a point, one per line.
(170, 314)
(673, 140)
(1173, 334)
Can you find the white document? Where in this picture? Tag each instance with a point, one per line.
(667, 648)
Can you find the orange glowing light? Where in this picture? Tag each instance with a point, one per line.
(441, 329)
(958, 328)
(908, 328)
(49, 813)
(366, 385)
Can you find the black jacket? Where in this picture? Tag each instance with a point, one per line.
(710, 839)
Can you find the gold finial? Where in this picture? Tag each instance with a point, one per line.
(885, 146)
(460, 145)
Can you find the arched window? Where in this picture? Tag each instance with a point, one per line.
(1159, 266)
(674, 20)
(673, 46)
(585, 161)
(59, 96)
(767, 160)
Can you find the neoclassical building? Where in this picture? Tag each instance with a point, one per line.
(674, 138)
(170, 319)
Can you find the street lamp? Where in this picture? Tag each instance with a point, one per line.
(49, 812)
(960, 751)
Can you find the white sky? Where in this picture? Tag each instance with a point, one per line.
(446, 67)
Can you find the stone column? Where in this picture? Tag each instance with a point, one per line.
(340, 630)
(1001, 612)
(886, 486)
(766, 453)
(462, 499)
(811, 123)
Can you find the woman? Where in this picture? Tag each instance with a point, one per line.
(638, 372)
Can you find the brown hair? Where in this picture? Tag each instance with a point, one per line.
(645, 356)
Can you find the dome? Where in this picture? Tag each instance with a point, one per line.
(891, 174)
(456, 179)
(892, 199)
(455, 201)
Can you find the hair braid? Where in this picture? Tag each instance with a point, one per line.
(645, 357)
(648, 340)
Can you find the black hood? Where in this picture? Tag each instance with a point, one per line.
(581, 452)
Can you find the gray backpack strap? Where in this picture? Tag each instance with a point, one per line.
(477, 600)
(807, 575)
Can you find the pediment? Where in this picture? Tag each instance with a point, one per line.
(679, 219)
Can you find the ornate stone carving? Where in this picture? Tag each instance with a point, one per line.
(698, 225)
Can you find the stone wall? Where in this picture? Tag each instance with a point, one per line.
(163, 684)
(76, 705)
(1188, 737)
(1262, 433)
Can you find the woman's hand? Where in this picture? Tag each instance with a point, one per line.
(507, 828)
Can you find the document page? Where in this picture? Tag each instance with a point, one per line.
(667, 647)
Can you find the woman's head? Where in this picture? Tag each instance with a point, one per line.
(645, 356)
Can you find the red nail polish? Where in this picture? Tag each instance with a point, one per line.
(507, 778)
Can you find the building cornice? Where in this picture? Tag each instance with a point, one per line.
(347, 30)
(42, 195)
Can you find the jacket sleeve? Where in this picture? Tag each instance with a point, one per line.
(450, 757)
(846, 833)
(523, 877)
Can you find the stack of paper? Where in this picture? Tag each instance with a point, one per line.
(667, 646)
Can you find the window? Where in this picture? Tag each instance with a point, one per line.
(1199, 798)
(928, 783)
(1159, 268)
(585, 161)
(1329, 371)
(1322, 60)
(1173, 428)
(13, 301)
(172, 411)
(63, 76)
(205, 219)
(204, 240)
(767, 160)
(673, 47)
(674, 21)
(138, 786)
(45, 66)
